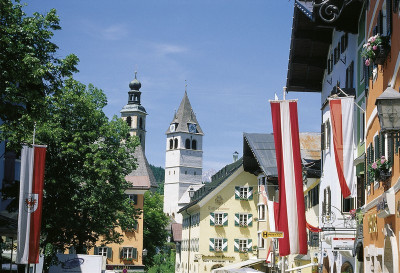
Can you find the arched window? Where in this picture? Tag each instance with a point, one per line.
(129, 121)
(176, 143)
(136, 98)
(141, 123)
(187, 143)
(194, 144)
(171, 144)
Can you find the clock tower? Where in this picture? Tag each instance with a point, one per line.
(184, 158)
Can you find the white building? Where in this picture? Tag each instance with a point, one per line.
(184, 159)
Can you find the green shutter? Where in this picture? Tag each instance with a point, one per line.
(109, 252)
(250, 220)
(390, 150)
(236, 219)
(237, 192)
(212, 219)
(250, 194)
(225, 220)
(134, 255)
(249, 244)
(225, 245)
(96, 250)
(236, 245)
(211, 244)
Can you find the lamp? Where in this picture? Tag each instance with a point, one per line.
(235, 156)
(388, 106)
(191, 192)
(144, 252)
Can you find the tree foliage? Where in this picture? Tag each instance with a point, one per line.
(86, 163)
(30, 68)
(164, 262)
(155, 223)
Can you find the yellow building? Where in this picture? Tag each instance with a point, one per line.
(218, 226)
(128, 256)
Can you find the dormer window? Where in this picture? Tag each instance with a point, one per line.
(192, 128)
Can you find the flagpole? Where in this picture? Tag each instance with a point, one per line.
(284, 92)
(34, 132)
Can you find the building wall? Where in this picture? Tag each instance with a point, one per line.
(222, 199)
(377, 236)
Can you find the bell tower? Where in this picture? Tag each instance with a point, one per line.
(184, 158)
(134, 114)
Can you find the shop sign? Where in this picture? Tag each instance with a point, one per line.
(343, 243)
(372, 223)
(276, 234)
(386, 205)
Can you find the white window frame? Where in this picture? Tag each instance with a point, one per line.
(243, 245)
(244, 192)
(218, 218)
(218, 244)
(243, 219)
(127, 253)
(102, 250)
(261, 212)
(261, 241)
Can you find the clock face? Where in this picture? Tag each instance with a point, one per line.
(192, 128)
(172, 127)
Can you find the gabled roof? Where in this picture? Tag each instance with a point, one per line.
(259, 154)
(184, 116)
(142, 177)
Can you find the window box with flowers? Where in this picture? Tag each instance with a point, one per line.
(380, 169)
(376, 50)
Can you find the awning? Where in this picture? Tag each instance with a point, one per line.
(230, 267)
(300, 267)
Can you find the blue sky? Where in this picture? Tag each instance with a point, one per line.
(233, 54)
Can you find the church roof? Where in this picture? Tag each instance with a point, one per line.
(184, 116)
(142, 177)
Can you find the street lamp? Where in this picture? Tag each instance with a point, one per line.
(235, 156)
(144, 252)
(388, 106)
(191, 192)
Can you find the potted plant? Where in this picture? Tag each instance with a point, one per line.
(375, 50)
(380, 169)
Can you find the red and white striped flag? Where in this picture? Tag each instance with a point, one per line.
(30, 203)
(291, 216)
(342, 110)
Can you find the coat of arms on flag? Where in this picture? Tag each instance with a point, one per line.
(31, 202)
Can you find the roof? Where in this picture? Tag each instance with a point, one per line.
(237, 265)
(184, 116)
(142, 177)
(259, 154)
(216, 180)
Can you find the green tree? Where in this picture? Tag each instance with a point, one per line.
(159, 174)
(87, 160)
(30, 68)
(164, 262)
(155, 223)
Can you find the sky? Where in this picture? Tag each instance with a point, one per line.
(233, 55)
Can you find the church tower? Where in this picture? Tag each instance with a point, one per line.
(134, 113)
(184, 158)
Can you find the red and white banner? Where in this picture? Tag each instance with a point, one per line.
(30, 203)
(342, 110)
(291, 215)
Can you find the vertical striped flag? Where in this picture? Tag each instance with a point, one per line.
(30, 203)
(291, 215)
(342, 110)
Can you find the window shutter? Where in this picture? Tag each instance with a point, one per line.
(380, 23)
(236, 219)
(109, 252)
(390, 150)
(250, 194)
(134, 253)
(237, 192)
(249, 244)
(236, 245)
(96, 250)
(376, 147)
(389, 17)
(250, 220)
(382, 143)
(211, 244)
(121, 252)
(212, 219)
(225, 220)
(225, 245)
(351, 75)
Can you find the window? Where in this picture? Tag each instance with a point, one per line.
(194, 173)
(313, 239)
(261, 241)
(362, 120)
(176, 143)
(242, 245)
(219, 217)
(129, 121)
(218, 244)
(194, 144)
(327, 134)
(128, 253)
(171, 144)
(312, 197)
(261, 212)
(133, 198)
(243, 193)
(243, 219)
(187, 144)
(141, 123)
(102, 251)
(261, 182)
(326, 205)
(350, 76)
(343, 42)
(347, 204)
